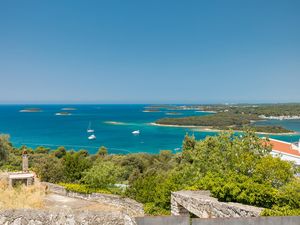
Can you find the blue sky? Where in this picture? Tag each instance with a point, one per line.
(156, 51)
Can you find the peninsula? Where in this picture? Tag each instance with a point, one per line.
(31, 110)
(237, 117)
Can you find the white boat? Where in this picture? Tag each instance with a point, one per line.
(90, 130)
(92, 137)
(136, 132)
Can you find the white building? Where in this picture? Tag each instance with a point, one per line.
(286, 151)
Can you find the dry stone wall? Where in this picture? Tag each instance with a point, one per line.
(127, 210)
(184, 220)
(202, 205)
(42, 217)
(129, 206)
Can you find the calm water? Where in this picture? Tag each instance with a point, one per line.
(46, 129)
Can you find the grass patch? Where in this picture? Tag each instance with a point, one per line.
(21, 196)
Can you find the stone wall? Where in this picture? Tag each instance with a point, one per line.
(41, 217)
(125, 213)
(280, 220)
(163, 220)
(202, 205)
(184, 220)
(129, 206)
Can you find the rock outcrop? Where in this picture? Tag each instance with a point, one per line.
(202, 205)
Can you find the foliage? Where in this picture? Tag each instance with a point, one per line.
(60, 152)
(49, 169)
(228, 152)
(235, 120)
(5, 147)
(81, 188)
(103, 174)
(42, 150)
(150, 208)
(289, 109)
(188, 146)
(74, 166)
(154, 190)
(233, 187)
(236, 168)
(281, 211)
(273, 171)
(289, 194)
(102, 151)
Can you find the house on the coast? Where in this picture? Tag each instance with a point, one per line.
(286, 151)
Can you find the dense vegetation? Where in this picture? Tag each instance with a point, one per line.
(234, 168)
(260, 109)
(223, 121)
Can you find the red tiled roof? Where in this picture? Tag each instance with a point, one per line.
(283, 147)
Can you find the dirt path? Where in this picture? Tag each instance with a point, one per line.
(54, 201)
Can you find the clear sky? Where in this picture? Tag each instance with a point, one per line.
(154, 51)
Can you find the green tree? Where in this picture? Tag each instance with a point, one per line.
(229, 152)
(74, 165)
(188, 146)
(83, 152)
(273, 171)
(41, 150)
(49, 169)
(102, 151)
(60, 152)
(154, 190)
(5, 147)
(103, 174)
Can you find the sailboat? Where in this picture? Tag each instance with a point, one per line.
(92, 137)
(136, 132)
(90, 130)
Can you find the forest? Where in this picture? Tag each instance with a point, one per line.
(235, 168)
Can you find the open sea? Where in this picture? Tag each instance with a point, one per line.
(113, 125)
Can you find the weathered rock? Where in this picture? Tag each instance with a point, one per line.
(70, 208)
(129, 206)
(41, 217)
(202, 205)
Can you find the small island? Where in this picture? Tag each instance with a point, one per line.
(151, 111)
(31, 110)
(68, 109)
(173, 113)
(63, 114)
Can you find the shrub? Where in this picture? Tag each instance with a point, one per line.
(83, 189)
(103, 174)
(280, 211)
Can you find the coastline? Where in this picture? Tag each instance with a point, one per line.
(279, 117)
(201, 128)
(206, 111)
(208, 129)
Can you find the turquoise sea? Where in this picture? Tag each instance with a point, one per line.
(113, 125)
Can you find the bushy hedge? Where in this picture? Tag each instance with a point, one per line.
(280, 211)
(83, 189)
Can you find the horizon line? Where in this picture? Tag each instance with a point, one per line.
(145, 103)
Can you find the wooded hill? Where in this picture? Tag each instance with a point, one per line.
(223, 121)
